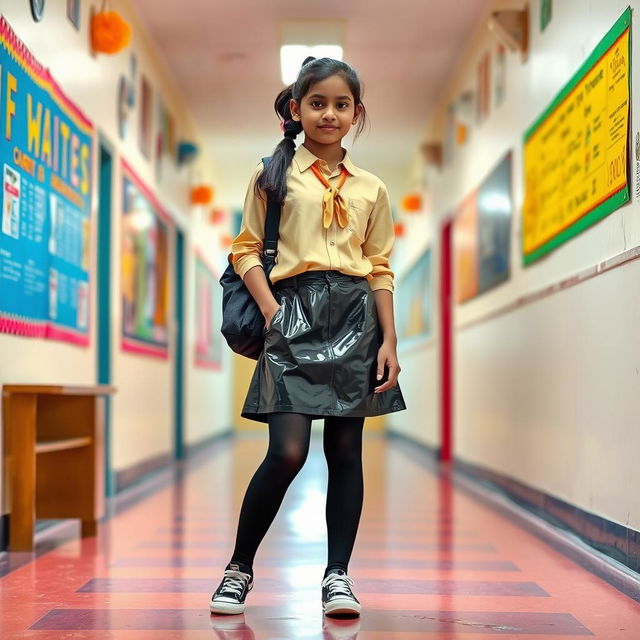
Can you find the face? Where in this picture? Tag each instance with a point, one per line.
(327, 110)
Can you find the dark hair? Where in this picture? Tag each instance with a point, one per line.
(273, 179)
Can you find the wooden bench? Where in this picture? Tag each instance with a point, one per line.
(53, 451)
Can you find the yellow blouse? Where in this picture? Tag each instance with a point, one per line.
(361, 248)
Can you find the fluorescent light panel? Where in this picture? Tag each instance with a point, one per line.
(292, 56)
(302, 38)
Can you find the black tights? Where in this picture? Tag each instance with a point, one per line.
(289, 438)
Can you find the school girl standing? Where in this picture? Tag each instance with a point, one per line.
(330, 341)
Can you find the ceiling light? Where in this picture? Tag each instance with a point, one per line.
(292, 56)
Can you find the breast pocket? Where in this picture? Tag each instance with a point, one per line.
(358, 217)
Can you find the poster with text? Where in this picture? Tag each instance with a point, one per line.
(145, 269)
(208, 316)
(575, 154)
(45, 166)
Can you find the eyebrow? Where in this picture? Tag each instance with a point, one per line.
(318, 95)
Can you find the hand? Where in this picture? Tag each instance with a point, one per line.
(269, 313)
(387, 355)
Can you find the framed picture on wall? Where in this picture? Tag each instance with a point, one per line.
(145, 241)
(415, 300)
(208, 315)
(146, 117)
(73, 13)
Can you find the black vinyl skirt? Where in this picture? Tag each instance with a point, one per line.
(320, 352)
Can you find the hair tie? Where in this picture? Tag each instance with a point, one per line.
(283, 124)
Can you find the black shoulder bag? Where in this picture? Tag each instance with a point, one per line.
(242, 320)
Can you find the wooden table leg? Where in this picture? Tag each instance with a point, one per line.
(21, 416)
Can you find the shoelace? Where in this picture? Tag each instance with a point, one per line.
(337, 583)
(234, 582)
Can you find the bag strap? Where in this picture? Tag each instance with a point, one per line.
(272, 222)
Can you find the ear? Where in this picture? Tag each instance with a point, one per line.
(293, 107)
(357, 113)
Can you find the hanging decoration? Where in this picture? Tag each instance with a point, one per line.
(110, 33)
(187, 152)
(225, 240)
(398, 229)
(202, 194)
(412, 202)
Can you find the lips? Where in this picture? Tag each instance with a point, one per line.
(329, 128)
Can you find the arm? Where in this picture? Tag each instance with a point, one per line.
(246, 249)
(377, 248)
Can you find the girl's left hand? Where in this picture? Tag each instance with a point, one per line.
(387, 355)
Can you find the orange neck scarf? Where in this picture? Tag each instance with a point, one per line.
(332, 202)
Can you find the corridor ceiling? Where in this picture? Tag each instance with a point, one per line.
(224, 57)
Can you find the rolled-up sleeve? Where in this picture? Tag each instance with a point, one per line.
(246, 248)
(379, 240)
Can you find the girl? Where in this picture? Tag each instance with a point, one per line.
(330, 342)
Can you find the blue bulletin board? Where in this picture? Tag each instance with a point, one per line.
(45, 164)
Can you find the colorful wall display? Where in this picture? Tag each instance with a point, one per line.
(575, 154)
(146, 232)
(45, 165)
(414, 300)
(208, 315)
(482, 234)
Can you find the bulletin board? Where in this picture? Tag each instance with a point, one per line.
(575, 154)
(46, 167)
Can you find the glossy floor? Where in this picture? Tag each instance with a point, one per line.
(429, 562)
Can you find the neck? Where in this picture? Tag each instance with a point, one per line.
(330, 153)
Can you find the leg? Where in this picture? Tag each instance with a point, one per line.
(342, 441)
(289, 437)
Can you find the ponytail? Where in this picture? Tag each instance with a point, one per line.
(273, 180)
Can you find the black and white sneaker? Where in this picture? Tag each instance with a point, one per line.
(230, 594)
(337, 597)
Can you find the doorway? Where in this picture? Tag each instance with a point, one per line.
(103, 302)
(446, 344)
(178, 361)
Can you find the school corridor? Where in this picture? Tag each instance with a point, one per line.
(431, 561)
(455, 200)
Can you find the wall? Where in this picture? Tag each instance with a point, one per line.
(545, 392)
(142, 418)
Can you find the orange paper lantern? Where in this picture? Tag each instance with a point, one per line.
(202, 194)
(398, 229)
(109, 32)
(412, 202)
(225, 240)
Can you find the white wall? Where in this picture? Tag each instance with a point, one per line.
(546, 393)
(142, 416)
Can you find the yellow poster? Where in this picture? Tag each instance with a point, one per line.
(575, 155)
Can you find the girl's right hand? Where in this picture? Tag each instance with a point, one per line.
(268, 315)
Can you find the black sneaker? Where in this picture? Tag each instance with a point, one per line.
(230, 594)
(337, 597)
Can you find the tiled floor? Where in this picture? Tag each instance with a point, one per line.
(429, 562)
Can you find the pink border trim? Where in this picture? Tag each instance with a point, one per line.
(128, 169)
(206, 364)
(146, 350)
(33, 329)
(591, 272)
